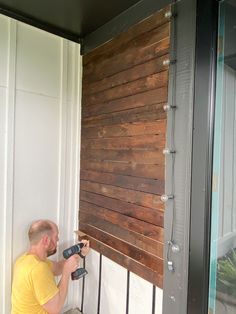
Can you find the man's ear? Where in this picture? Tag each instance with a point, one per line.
(45, 240)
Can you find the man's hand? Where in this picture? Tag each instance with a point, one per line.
(85, 249)
(71, 264)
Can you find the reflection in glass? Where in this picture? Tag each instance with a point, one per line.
(222, 293)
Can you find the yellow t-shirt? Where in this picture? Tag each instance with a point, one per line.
(33, 285)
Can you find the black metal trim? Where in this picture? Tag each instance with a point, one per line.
(17, 15)
(203, 127)
(127, 292)
(99, 284)
(121, 23)
(153, 299)
(83, 285)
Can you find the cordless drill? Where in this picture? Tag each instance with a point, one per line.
(75, 249)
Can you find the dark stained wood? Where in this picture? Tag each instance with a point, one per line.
(126, 129)
(134, 197)
(139, 255)
(133, 183)
(128, 236)
(129, 57)
(129, 142)
(146, 113)
(141, 270)
(134, 169)
(142, 102)
(149, 215)
(141, 85)
(127, 155)
(146, 229)
(125, 86)
(118, 43)
(141, 70)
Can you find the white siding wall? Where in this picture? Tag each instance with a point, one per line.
(40, 77)
(113, 295)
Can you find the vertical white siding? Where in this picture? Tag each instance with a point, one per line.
(113, 288)
(140, 295)
(91, 283)
(113, 294)
(40, 77)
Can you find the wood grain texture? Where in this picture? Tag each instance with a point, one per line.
(125, 86)
(154, 217)
(138, 184)
(146, 229)
(119, 43)
(117, 230)
(155, 277)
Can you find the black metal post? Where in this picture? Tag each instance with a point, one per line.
(203, 124)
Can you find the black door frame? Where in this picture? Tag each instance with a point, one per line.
(202, 155)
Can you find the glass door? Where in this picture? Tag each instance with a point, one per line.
(222, 286)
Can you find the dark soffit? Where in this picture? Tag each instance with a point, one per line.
(73, 19)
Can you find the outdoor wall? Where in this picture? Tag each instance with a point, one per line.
(123, 134)
(227, 200)
(39, 140)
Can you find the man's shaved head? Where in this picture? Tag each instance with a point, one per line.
(40, 228)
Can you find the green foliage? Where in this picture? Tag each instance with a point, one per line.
(226, 273)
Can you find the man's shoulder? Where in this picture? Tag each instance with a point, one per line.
(28, 261)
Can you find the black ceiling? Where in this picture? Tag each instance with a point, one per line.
(77, 17)
(90, 22)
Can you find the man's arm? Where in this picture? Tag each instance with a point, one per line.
(55, 305)
(57, 267)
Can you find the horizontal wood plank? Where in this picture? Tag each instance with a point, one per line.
(128, 57)
(126, 129)
(116, 229)
(139, 184)
(130, 196)
(139, 255)
(154, 157)
(155, 217)
(141, 270)
(119, 42)
(146, 113)
(134, 169)
(146, 229)
(129, 142)
(139, 103)
(139, 71)
(141, 85)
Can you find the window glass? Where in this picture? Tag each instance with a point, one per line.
(222, 296)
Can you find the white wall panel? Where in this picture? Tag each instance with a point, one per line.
(4, 35)
(158, 301)
(2, 183)
(39, 141)
(38, 61)
(36, 161)
(140, 295)
(113, 288)
(91, 283)
(2, 147)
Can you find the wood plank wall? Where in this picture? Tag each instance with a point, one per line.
(125, 86)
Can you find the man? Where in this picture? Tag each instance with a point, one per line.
(34, 290)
